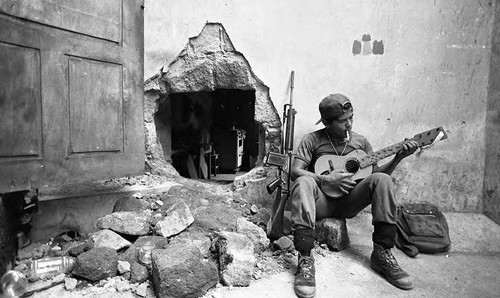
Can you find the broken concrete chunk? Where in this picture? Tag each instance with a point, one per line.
(108, 238)
(142, 290)
(181, 271)
(96, 264)
(332, 232)
(122, 286)
(178, 218)
(198, 239)
(145, 254)
(132, 253)
(129, 204)
(123, 267)
(138, 273)
(81, 247)
(70, 283)
(236, 259)
(284, 244)
(34, 250)
(254, 233)
(254, 209)
(126, 222)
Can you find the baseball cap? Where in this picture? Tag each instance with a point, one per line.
(335, 106)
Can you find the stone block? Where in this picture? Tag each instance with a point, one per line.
(236, 259)
(332, 232)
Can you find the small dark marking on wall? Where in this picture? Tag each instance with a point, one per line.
(378, 47)
(356, 47)
(366, 47)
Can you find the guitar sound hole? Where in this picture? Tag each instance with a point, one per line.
(352, 166)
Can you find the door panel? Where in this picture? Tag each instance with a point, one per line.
(71, 92)
(22, 113)
(101, 19)
(96, 109)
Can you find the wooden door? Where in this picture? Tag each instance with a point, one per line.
(71, 91)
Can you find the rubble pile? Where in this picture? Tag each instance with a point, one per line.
(178, 243)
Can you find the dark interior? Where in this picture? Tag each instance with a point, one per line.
(218, 127)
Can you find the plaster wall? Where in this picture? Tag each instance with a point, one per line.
(492, 164)
(432, 71)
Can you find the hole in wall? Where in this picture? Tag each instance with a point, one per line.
(213, 134)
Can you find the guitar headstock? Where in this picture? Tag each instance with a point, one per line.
(428, 137)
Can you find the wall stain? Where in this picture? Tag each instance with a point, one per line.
(366, 47)
(378, 47)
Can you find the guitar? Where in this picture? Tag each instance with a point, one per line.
(360, 163)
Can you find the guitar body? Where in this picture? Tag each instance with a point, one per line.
(361, 164)
(349, 163)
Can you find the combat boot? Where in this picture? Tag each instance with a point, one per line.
(384, 263)
(305, 282)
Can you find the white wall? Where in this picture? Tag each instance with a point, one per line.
(434, 72)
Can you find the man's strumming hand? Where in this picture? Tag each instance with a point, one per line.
(337, 181)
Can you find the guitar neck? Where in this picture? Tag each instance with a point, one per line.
(376, 156)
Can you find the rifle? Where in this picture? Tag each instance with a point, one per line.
(282, 160)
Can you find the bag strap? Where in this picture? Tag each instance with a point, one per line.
(410, 250)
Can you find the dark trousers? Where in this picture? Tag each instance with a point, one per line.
(309, 203)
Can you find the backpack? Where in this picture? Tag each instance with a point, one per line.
(421, 228)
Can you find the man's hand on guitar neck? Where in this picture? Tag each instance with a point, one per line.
(408, 149)
(337, 181)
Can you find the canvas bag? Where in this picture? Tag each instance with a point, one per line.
(421, 228)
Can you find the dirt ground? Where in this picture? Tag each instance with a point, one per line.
(470, 269)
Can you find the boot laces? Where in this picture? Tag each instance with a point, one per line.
(306, 267)
(390, 259)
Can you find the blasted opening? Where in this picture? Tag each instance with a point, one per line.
(213, 134)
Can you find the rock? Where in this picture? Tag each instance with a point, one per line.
(122, 286)
(332, 232)
(181, 271)
(254, 209)
(123, 267)
(126, 222)
(178, 218)
(108, 238)
(96, 264)
(58, 278)
(129, 204)
(254, 233)
(236, 259)
(132, 253)
(217, 217)
(138, 273)
(35, 250)
(145, 254)
(198, 239)
(142, 290)
(70, 283)
(81, 247)
(284, 244)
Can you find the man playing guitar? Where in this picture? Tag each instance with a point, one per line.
(311, 199)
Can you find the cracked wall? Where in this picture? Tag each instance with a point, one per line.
(433, 71)
(208, 63)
